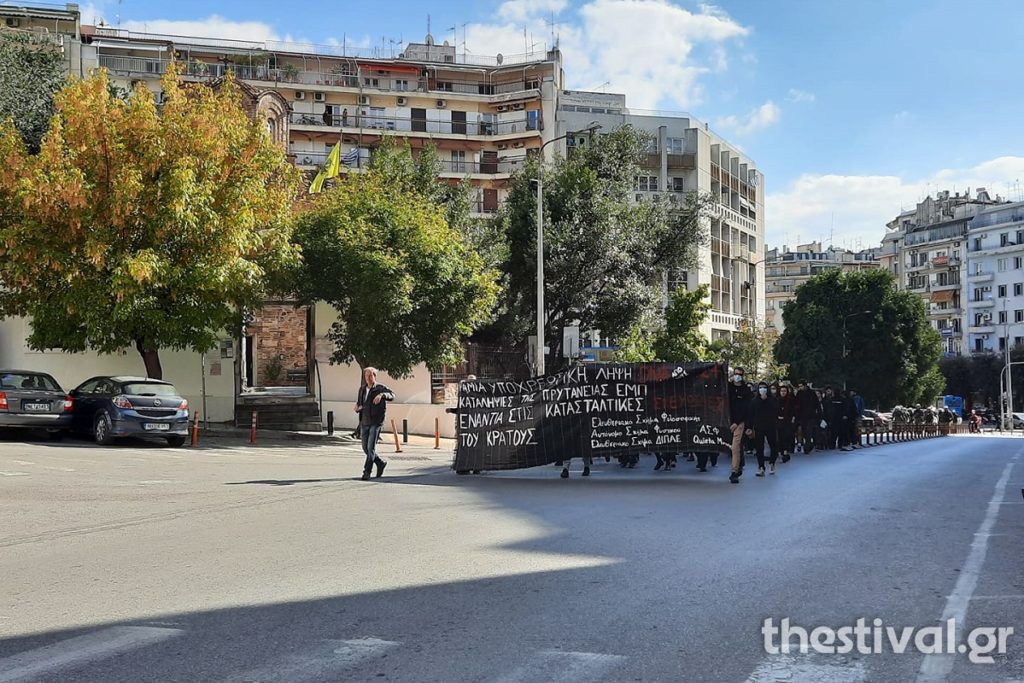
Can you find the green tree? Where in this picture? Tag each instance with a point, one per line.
(134, 227)
(604, 253)
(681, 340)
(858, 329)
(31, 72)
(406, 285)
(752, 348)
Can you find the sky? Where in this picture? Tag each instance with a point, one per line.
(852, 109)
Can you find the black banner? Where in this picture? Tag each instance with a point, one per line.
(592, 409)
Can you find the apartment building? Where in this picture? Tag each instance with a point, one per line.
(686, 156)
(786, 270)
(994, 288)
(931, 257)
(50, 26)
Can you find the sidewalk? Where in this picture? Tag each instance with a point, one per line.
(341, 437)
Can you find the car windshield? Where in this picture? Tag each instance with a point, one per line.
(150, 389)
(28, 381)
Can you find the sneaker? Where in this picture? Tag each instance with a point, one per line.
(734, 478)
(366, 476)
(760, 472)
(586, 471)
(785, 457)
(771, 469)
(658, 466)
(380, 467)
(702, 469)
(565, 473)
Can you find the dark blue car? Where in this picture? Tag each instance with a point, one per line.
(112, 407)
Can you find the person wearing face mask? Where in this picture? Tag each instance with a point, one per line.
(764, 413)
(786, 423)
(739, 408)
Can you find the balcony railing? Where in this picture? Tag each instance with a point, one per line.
(480, 207)
(507, 165)
(729, 319)
(980, 277)
(407, 124)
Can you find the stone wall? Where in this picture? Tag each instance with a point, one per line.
(280, 332)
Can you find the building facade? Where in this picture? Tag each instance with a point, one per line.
(931, 258)
(787, 269)
(686, 156)
(994, 286)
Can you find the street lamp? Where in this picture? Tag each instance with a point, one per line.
(540, 241)
(845, 318)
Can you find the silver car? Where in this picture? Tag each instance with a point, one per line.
(33, 400)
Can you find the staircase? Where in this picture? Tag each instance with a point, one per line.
(279, 412)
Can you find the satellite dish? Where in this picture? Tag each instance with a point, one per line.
(500, 58)
(446, 43)
(429, 39)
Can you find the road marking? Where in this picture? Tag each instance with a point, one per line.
(13, 474)
(555, 666)
(790, 669)
(936, 667)
(23, 462)
(330, 656)
(80, 650)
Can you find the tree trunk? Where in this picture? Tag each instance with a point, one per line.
(151, 359)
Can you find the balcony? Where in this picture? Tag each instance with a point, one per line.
(505, 166)
(720, 247)
(983, 303)
(357, 122)
(980, 277)
(986, 328)
(728, 320)
(918, 287)
(949, 286)
(721, 284)
(724, 213)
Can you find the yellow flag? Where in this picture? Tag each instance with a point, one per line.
(331, 169)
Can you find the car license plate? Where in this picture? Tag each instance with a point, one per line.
(36, 407)
(156, 426)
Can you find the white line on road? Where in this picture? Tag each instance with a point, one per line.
(791, 670)
(13, 474)
(80, 650)
(555, 666)
(936, 667)
(331, 656)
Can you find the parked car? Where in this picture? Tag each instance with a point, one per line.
(873, 418)
(33, 400)
(112, 407)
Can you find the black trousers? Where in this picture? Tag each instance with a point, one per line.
(769, 435)
(787, 431)
(808, 433)
(704, 457)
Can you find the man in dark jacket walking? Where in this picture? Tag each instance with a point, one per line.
(808, 415)
(764, 413)
(786, 421)
(371, 404)
(739, 408)
(834, 410)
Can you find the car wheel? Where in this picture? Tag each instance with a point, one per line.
(103, 430)
(175, 441)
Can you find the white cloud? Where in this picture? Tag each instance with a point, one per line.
(653, 50)
(797, 95)
(860, 206)
(765, 116)
(213, 26)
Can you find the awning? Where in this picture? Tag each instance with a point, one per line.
(939, 297)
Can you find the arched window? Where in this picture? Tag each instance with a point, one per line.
(272, 129)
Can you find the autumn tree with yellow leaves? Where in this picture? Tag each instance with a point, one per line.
(138, 225)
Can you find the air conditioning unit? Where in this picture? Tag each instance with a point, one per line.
(307, 161)
(364, 99)
(402, 101)
(518, 106)
(382, 72)
(987, 317)
(300, 95)
(13, 22)
(503, 146)
(502, 107)
(441, 104)
(319, 97)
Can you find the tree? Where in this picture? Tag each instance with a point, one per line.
(976, 377)
(604, 253)
(31, 71)
(891, 352)
(138, 227)
(752, 348)
(681, 340)
(406, 285)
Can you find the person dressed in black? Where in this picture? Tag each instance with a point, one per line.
(371, 404)
(808, 415)
(739, 408)
(764, 413)
(834, 412)
(786, 422)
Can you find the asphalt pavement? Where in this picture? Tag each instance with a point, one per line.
(275, 563)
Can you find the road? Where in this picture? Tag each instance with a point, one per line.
(230, 563)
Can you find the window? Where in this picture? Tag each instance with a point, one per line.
(978, 270)
(647, 183)
(1002, 317)
(1001, 265)
(1020, 237)
(371, 82)
(1002, 343)
(677, 185)
(675, 145)
(979, 345)
(402, 85)
(1018, 315)
(978, 319)
(1017, 262)
(1002, 291)
(1017, 341)
(533, 119)
(1018, 289)
(977, 244)
(1004, 239)
(458, 161)
(979, 295)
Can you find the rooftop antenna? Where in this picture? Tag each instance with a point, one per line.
(119, 13)
(464, 41)
(455, 35)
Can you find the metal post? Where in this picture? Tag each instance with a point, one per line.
(252, 433)
(330, 423)
(205, 412)
(540, 271)
(405, 430)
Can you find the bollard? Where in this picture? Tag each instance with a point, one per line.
(252, 432)
(195, 430)
(394, 430)
(405, 430)
(437, 433)
(330, 423)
